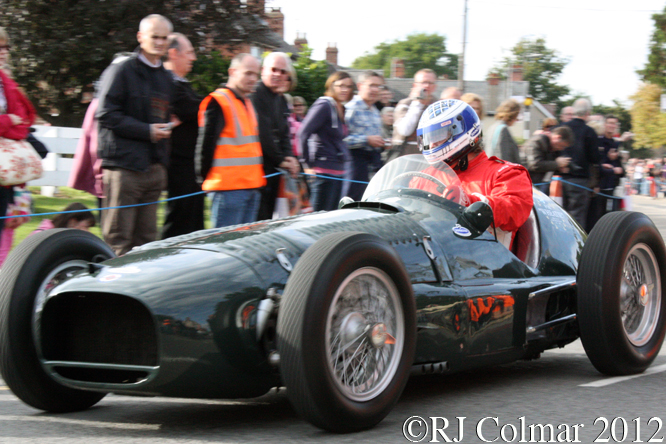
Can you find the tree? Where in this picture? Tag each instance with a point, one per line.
(311, 76)
(418, 51)
(59, 48)
(649, 123)
(541, 67)
(209, 72)
(656, 65)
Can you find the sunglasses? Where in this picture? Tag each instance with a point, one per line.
(278, 70)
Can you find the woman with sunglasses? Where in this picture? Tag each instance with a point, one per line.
(321, 141)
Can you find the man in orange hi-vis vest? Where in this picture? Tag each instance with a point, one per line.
(228, 157)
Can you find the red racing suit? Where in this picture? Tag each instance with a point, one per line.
(506, 186)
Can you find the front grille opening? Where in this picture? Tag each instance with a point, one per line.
(98, 328)
(108, 376)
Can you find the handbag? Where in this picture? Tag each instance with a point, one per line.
(19, 162)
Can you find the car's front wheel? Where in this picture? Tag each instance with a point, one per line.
(28, 274)
(621, 302)
(346, 332)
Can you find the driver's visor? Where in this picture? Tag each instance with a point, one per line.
(440, 133)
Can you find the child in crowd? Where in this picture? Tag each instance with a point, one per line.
(20, 206)
(82, 220)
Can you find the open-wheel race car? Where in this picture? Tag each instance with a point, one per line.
(339, 307)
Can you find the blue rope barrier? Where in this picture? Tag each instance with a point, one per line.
(585, 188)
(270, 175)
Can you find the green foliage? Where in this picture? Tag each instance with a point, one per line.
(209, 72)
(311, 76)
(541, 67)
(649, 123)
(656, 65)
(59, 48)
(418, 51)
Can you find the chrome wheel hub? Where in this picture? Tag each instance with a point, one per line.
(640, 295)
(365, 332)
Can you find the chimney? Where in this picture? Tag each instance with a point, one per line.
(332, 54)
(517, 73)
(398, 68)
(275, 20)
(493, 79)
(256, 6)
(300, 41)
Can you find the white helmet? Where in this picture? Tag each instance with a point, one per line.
(448, 131)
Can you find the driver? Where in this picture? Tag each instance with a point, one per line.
(450, 131)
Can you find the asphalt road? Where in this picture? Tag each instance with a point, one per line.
(560, 390)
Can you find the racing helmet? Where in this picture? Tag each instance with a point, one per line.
(448, 131)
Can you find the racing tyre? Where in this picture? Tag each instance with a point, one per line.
(35, 266)
(621, 302)
(346, 332)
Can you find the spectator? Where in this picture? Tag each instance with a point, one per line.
(408, 112)
(385, 97)
(387, 123)
(185, 215)
(21, 206)
(321, 139)
(543, 155)
(133, 111)
(502, 144)
(86, 174)
(293, 195)
(81, 220)
(365, 132)
(584, 167)
(451, 93)
(476, 102)
(228, 156)
(295, 121)
(16, 114)
(300, 108)
(270, 107)
(611, 171)
(567, 114)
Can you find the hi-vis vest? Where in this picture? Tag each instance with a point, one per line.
(238, 159)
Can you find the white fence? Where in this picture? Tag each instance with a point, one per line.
(61, 143)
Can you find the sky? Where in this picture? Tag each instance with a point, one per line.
(606, 41)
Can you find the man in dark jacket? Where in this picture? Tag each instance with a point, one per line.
(543, 154)
(185, 215)
(273, 128)
(133, 112)
(584, 167)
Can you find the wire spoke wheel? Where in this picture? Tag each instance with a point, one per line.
(346, 332)
(640, 295)
(364, 334)
(621, 309)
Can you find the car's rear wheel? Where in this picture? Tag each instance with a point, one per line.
(30, 271)
(621, 303)
(346, 332)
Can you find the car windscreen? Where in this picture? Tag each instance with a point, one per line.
(414, 172)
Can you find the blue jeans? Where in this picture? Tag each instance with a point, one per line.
(234, 207)
(326, 193)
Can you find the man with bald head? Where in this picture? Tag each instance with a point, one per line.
(229, 158)
(274, 133)
(408, 112)
(567, 114)
(134, 113)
